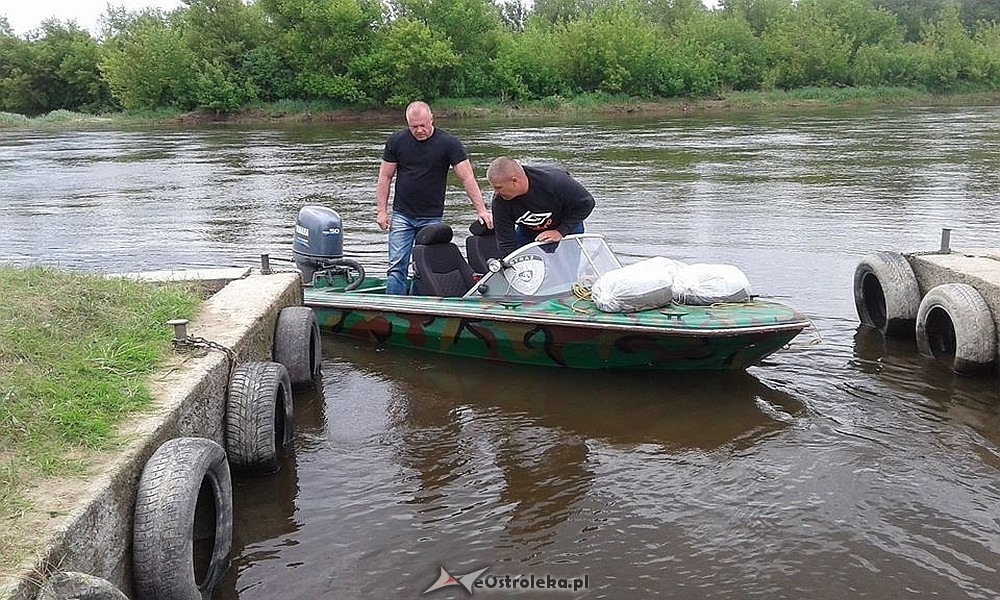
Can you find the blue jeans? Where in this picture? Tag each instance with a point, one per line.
(525, 237)
(402, 230)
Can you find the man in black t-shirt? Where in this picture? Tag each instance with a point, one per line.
(536, 204)
(419, 158)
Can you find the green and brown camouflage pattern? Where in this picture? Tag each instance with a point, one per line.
(562, 332)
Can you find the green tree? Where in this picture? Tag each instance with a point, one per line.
(977, 14)
(562, 11)
(950, 55)
(411, 62)
(808, 48)
(219, 30)
(761, 15)
(513, 13)
(816, 44)
(218, 87)
(56, 68)
(473, 28)
(914, 14)
(616, 49)
(18, 92)
(531, 66)
(68, 57)
(222, 35)
(671, 12)
(717, 52)
(146, 62)
(508, 78)
(861, 21)
(988, 38)
(325, 44)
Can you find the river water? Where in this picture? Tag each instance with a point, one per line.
(843, 467)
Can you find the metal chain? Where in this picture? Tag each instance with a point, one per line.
(200, 342)
(265, 265)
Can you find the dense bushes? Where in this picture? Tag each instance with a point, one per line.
(224, 54)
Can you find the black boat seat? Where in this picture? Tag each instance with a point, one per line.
(439, 269)
(481, 246)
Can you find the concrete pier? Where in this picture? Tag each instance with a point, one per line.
(979, 268)
(85, 524)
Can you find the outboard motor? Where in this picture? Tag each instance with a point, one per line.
(319, 238)
(318, 244)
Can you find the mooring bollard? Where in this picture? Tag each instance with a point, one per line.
(265, 264)
(945, 239)
(180, 329)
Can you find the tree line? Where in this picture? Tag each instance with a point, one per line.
(222, 55)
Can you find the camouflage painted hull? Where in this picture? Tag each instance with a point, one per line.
(561, 332)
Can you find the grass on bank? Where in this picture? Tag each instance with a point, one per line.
(75, 352)
(591, 103)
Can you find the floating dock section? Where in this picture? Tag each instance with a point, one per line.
(948, 300)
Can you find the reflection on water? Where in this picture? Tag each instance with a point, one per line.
(723, 487)
(845, 466)
(469, 462)
(929, 384)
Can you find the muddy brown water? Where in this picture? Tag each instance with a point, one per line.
(843, 467)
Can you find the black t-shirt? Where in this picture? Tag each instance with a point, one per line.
(422, 170)
(554, 201)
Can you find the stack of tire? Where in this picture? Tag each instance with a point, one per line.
(951, 323)
(183, 519)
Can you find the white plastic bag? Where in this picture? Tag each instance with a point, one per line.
(640, 286)
(703, 284)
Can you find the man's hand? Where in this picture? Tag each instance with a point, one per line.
(547, 237)
(486, 218)
(382, 218)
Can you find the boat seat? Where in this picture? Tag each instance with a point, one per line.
(481, 246)
(439, 269)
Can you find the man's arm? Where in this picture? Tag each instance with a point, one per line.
(468, 179)
(579, 204)
(503, 225)
(386, 172)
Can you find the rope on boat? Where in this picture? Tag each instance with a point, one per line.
(582, 292)
(819, 336)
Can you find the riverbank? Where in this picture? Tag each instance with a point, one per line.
(806, 99)
(75, 353)
(80, 516)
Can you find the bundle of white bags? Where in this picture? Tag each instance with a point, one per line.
(658, 281)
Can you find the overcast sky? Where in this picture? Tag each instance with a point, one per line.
(25, 15)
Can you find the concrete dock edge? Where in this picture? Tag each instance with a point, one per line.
(85, 525)
(978, 267)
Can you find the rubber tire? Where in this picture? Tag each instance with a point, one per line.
(954, 324)
(886, 294)
(65, 585)
(258, 416)
(185, 491)
(297, 344)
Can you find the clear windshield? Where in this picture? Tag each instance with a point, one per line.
(538, 270)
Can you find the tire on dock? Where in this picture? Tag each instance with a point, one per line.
(66, 585)
(954, 325)
(183, 521)
(886, 294)
(298, 345)
(258, 416)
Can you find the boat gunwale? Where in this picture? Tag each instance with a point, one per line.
(665, 329)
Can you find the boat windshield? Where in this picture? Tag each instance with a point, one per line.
(539, 270)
